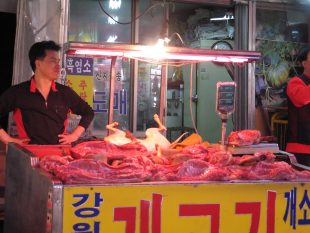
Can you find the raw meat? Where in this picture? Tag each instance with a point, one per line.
(133, 163)
(109, 150)
(244, 137)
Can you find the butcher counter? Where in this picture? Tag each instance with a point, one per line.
(36, 202)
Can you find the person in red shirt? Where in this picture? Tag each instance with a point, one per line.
(41, 105)
(298, 92)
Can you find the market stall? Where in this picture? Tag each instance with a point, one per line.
(110, 185)
(37, 201)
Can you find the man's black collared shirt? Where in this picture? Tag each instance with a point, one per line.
(39, 120)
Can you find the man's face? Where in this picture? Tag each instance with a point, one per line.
(49, 66)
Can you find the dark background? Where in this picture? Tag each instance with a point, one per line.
(7, 40)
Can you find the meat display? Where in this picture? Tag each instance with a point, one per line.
(244, 137)
(108, 150)
(133, 163)
(122, 158)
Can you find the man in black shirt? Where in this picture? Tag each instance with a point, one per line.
(41, 106)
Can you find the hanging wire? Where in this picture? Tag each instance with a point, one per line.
(190, 99)
(139, 16)
(178, 36)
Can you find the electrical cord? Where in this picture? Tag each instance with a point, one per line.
(178, 36)
(139, 16)
(190, 99)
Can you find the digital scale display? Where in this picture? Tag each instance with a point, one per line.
(225, 97)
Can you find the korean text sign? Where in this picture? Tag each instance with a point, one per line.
(80, 77)
(181, 207)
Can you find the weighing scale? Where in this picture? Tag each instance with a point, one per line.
(225, 104)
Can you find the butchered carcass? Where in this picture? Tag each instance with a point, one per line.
(135, 169)
(50, 163)
(118, 137)
(196, 169)
(109, 150)
(153, 141)
(154, 137)
(244, 137)
(246, 160)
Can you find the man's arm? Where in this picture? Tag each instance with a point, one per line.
(72, 137)
(298, 92)
(5, 138)
(79, 107)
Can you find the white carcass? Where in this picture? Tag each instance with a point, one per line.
(153, 141)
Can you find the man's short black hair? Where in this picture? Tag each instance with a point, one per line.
(38, 51)
(303, 54)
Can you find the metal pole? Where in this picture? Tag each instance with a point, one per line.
(112, 87)
(163, 88)
(224, 126)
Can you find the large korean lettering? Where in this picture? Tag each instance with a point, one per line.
(79, 66)
(203, 210)
(83, 212)
(291, 208)
(101, 102)
(252, 208)
(305, 206)
(128, 214)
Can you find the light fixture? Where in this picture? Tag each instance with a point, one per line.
(115, 4)
(164, 54)
(227, 16)
(112, 39)
(96, 52)
(165, 40)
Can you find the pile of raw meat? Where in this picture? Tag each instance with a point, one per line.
(104, 162)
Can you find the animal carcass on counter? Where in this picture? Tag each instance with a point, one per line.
(153, 141)
(118, 137)
(155, 137)
(244, 137)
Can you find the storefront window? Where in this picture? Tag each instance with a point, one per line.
(151, 21)
(148, 103)
(280, 34)
(102, 91)
(188, 25)
(102, 22)
(207, 27)
(90, 21)
(90, 78)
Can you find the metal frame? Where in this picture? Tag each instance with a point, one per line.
(251, 69)
(175, 54)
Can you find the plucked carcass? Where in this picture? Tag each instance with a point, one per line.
(153, 141)
(118, 137)
(155, 137)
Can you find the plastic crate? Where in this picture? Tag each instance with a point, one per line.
(279, 128)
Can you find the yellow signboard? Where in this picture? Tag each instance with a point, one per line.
(188, 207)
(83, 86)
